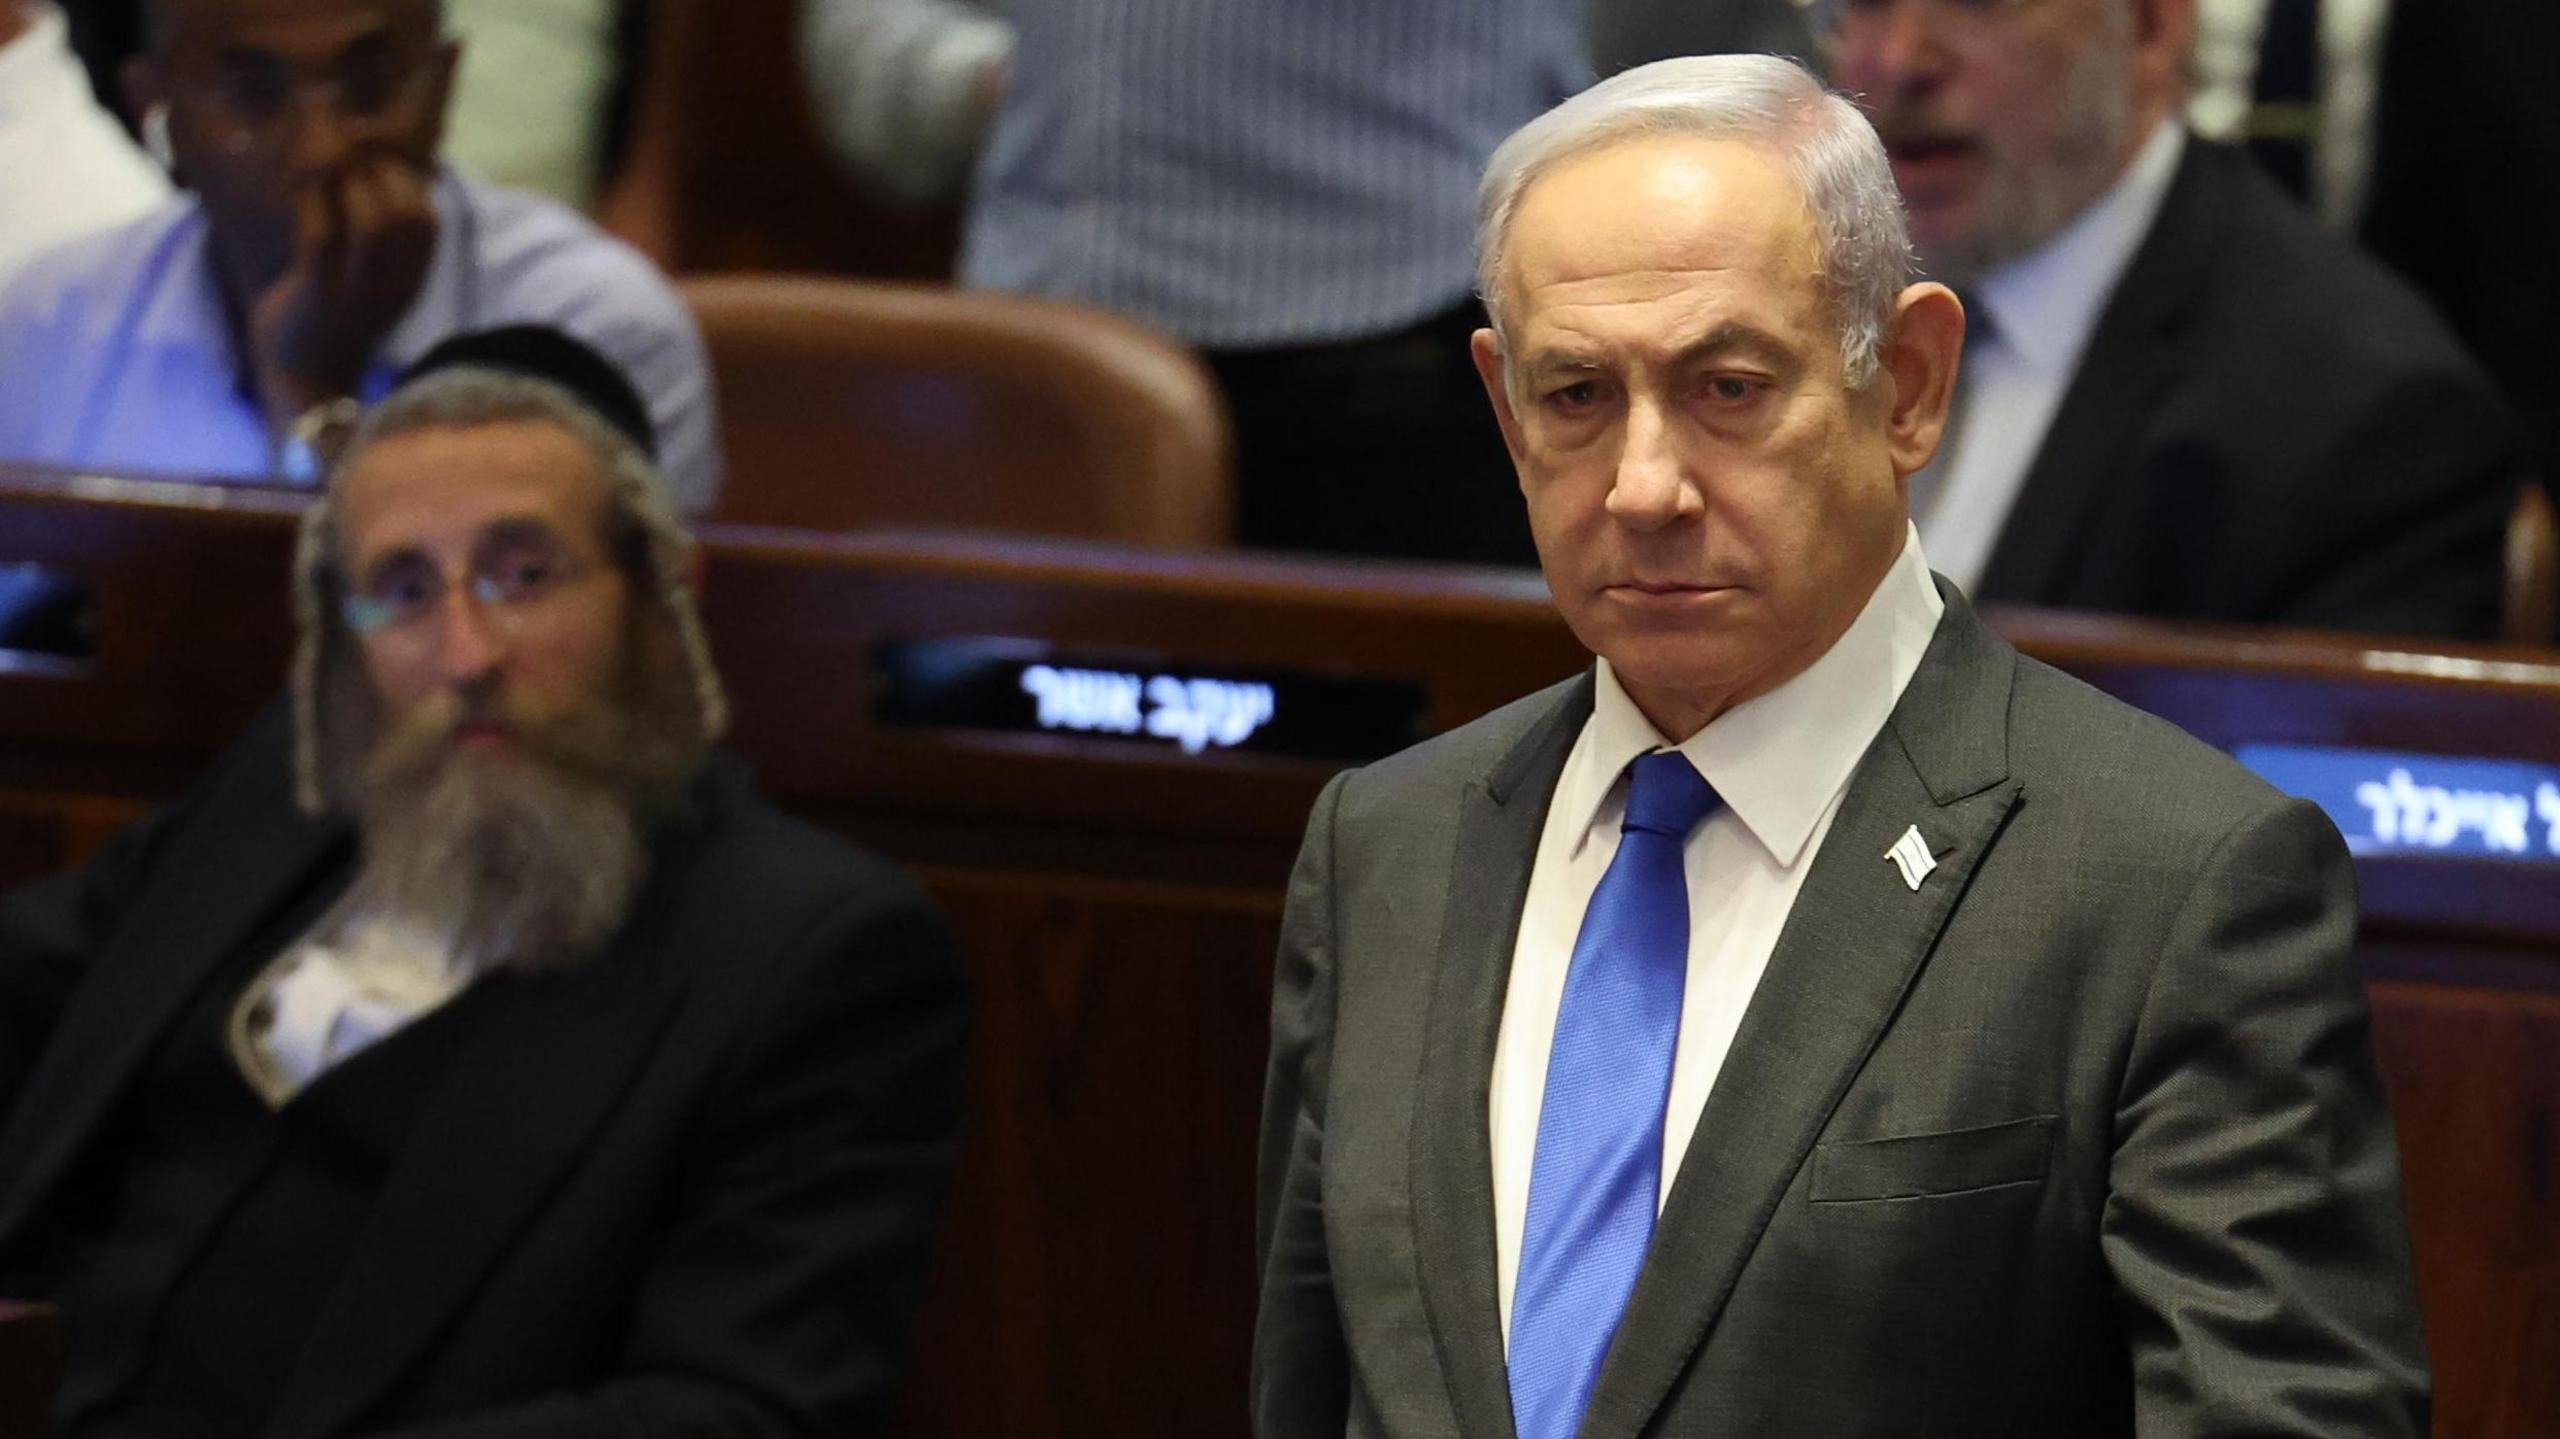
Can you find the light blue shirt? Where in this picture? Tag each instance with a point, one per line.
(115, 353)
(1258, 172)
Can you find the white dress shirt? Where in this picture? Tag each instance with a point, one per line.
(1781, 763)
(2037, 311)
(66, 168)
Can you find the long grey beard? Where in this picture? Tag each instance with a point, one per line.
(515, 858)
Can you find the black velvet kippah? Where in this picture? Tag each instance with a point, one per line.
(540, 353)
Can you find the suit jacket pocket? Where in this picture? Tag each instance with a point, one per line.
(1913, 1166)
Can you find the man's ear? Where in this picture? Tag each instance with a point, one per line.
(1922, 347)
(2164, 41)
(1486, 349)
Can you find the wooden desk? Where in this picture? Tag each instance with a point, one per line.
(1118, 901)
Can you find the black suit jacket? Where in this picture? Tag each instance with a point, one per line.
(2082, 1136)
(683, 1188)
(2266, 427)
(2465, 199)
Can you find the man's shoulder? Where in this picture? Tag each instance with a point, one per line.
(545, 261)
(2277, 277)
(1481, 751)
(93, 279)
(744, 851)
(2129, 777)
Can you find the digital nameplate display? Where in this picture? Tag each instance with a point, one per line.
(1017, 686)
(2390, 804)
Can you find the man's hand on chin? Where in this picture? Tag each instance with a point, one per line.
(363, 240)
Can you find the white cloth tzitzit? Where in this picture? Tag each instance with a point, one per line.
(322, 1003)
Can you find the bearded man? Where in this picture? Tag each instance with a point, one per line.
(475, 1052)
(2181, 396)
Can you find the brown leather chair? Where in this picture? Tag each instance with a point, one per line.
(2533, 568)
(725, 168)
(846, 404)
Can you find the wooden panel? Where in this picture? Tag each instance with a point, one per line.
(2475, 1086)
(1096, 1269)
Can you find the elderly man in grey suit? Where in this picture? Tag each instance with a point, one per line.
(1816, 1019)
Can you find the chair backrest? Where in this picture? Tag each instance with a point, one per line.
(2532, 598)
(724, 166)
(846, 404)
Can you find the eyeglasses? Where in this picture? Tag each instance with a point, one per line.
(516, 572)
(1830, 18)
(372, 87)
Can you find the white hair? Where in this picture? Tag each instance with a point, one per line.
(1838, 164)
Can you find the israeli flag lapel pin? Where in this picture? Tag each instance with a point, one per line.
(1910, 854)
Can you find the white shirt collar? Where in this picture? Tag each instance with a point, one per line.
(1779, 760)
(32, 67)
(2043, 304)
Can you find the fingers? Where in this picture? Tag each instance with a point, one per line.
(392, 227)
(364, 237)
(360, 202)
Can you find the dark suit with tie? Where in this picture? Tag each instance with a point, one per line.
(2081, 1135)
(683, 1187)
(2266, 427)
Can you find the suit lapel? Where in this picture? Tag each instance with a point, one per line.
(233, 877)
(550, 1058)
(2132, 357)
(1451, 1173)
(1852, 946)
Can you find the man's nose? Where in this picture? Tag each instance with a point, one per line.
(1894, 48)
(1653, 487)
(471, 639)
(322, 133)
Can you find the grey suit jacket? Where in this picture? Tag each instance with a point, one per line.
(2082, 1137)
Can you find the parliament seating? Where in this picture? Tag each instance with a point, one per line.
(1112, 851)
(2531, 600)
(847, 403)
(724, 167)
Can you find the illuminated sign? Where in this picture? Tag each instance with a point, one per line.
(2389, 803)
(1194, 713)
(1025, 686)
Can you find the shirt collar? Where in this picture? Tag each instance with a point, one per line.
(33, 66)
(2044, 304)
(1779, 760)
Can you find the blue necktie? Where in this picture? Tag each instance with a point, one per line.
(1597, 1175)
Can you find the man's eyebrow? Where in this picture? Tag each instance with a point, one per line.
(1732, 340)
(366, 571)
(1739, 340)
(1556, 362)
(516, 529)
